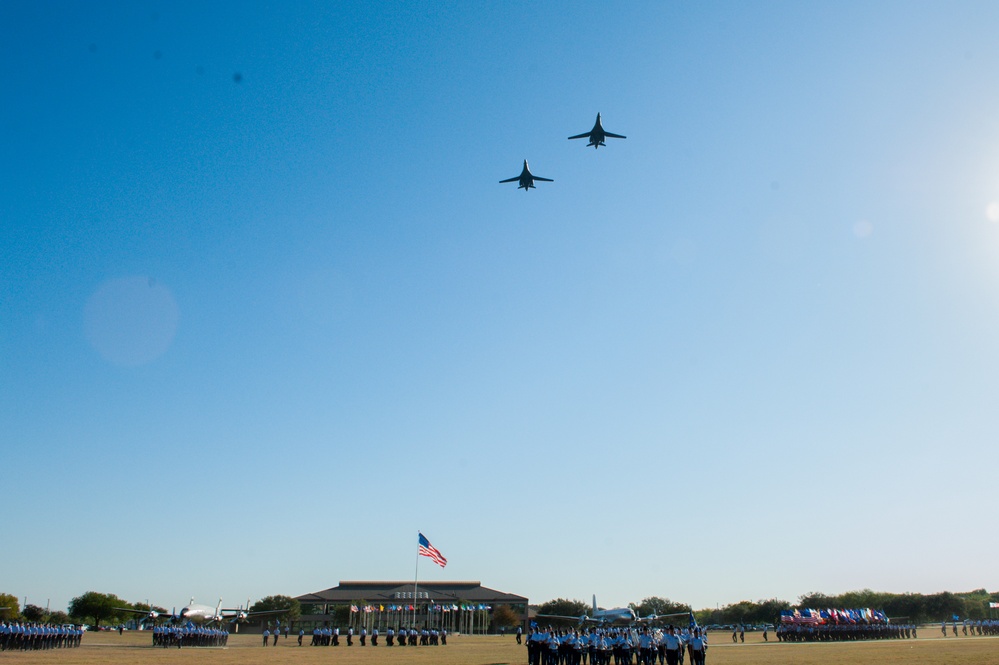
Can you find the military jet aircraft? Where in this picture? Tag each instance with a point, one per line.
(526, 179)
(597, 135)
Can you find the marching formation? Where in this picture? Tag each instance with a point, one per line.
(413, 637)
(972, 627)
(325, 637)
(840, 625)
(620, 646)
(189, 635)
(844, 632)
(16, 636)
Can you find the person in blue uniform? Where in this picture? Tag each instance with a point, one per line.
(698, 648)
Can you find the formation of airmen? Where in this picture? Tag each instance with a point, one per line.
(620, 646)
(326, 636)
(845, 632)
(15, 636)
(971, 627)
(189, 635)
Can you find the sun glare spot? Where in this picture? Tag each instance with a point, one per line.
(863, 229)
(992, 211)
(131, 321)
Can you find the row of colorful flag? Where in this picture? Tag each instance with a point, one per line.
(431, 608)
(816, 617)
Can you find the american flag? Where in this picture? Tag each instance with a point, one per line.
(426, 549)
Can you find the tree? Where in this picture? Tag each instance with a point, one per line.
(747, 612)
(910, 606)
(35, 613)
(13, 608)
(976, 604)
(741, 612)
(942, 606)
(340, 615)
(816, 599)
(661, 606)
(862, 598)
(505, 617)
(96, 606)
(565, 608)
(709, 616)
(769, 610)
(146, 608)
(58, 617)
(271, 603)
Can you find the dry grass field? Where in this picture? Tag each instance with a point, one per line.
(134, 647)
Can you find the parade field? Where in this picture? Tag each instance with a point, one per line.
(134, 647)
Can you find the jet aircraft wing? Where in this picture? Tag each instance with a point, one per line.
(614, 136)
(514, 179)
(585, 135)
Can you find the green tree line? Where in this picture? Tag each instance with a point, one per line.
(95, 609)
(907, 607)
(902, 607)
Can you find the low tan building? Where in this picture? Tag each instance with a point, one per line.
(458, 607)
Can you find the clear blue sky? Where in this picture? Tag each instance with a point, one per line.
(256, 333)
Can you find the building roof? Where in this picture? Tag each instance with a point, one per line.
(374, 591)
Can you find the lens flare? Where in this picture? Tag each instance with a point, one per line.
(992, 211)
(863, 229)
(131, 321)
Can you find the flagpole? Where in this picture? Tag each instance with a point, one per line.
(416, 577)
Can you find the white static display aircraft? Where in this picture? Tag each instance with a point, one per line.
(201, 613)
(192, 612)
(615, 615)
(197, 613)
(151, 614)
(206, 614)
